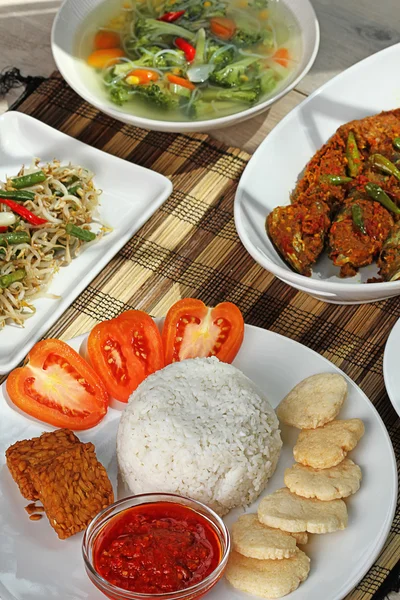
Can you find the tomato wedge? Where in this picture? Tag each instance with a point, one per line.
(59, 387)
(192, 330)
(124, 351)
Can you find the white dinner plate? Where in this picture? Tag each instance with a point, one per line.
(35, 564)
(391, 372)
(131, 194)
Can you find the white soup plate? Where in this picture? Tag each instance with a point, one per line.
(84, 81)
(35, 564)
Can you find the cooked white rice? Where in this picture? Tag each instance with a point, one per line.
(202, 429)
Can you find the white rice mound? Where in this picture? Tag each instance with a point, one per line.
(199, 428)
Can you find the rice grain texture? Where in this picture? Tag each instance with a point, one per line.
(202, 429)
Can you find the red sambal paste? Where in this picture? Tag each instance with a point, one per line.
(157, 548)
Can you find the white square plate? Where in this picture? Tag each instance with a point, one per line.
(131, 194)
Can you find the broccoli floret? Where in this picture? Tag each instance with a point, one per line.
(119, 94)
(244, 38)
(150, 30)
(247, 94)
(173, 58)
(220, 56)
(234, 74)
(145, 55)
(150, 56)
(195, 12)
(161, 98)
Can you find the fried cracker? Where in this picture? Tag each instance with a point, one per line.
(255, 540)
(290, 512)
(301, 537)
(327, 446)
(324, 484)
(314, 401)
(267, 578)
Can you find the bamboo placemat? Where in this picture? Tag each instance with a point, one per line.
(190, 248)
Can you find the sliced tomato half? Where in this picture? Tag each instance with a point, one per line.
(59, 387)
(124, 351)
(193, 330)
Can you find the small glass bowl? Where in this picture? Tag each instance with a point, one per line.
(190, 593)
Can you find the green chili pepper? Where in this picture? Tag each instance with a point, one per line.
(358, 218)
(71, 180)
(71, 190)
(375, 192)
(389, 258)
(384, 164)
(7, 280)
(20, 196)
(28, 180)
(353, 155)
(74, 188)
(81, 234)
(335, 179)
(396, 143)
(14, 237)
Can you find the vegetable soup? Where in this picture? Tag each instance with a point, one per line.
(188, 60)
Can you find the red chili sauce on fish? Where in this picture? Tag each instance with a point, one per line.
(156, 548)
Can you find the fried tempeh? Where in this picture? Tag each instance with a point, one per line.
(73, 488)
(25, 454)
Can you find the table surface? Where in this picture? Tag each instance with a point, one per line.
(350, 31)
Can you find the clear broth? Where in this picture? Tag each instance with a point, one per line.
(287, 34)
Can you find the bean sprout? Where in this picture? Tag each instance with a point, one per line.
(50, 247)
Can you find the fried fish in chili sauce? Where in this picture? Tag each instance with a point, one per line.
(337, 176)
(389, 258)
(355, 243)
(298, 232)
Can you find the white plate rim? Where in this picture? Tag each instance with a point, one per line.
(384, 532)
(56, 311)
(287, 274)
(388, 356)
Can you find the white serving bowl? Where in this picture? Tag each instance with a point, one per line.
(277, 164)
(82, 78)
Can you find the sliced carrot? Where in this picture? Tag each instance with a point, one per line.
(100, 58)
(282, 56)
(144, 75)
(104, 40)
(181, 81)
(222, 27)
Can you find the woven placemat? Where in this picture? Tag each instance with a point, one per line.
(190, 248)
